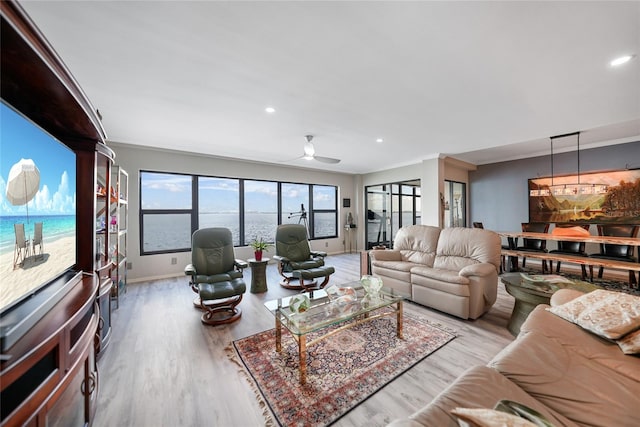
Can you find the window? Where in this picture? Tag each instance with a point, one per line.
(173, 206)
(295, 203)
(165, 212)
(325, 211)
(260, 210)
(219, 204)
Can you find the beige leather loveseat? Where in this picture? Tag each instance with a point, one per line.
(454, 270)
(571, 376)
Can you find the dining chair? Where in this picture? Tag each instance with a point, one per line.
(534, 245)
(616, 252)
(570, 248)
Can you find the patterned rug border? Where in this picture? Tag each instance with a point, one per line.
(271, 420)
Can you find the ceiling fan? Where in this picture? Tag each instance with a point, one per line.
(310, 152)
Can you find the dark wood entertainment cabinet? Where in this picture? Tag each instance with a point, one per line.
(48, 372)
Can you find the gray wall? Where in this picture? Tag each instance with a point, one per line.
(499, 192)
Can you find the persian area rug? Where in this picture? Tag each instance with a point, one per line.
(342, 370)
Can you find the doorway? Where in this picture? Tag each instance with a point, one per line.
(455, 204)
(389, 207)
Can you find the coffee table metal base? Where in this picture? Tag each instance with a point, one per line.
(301, 340)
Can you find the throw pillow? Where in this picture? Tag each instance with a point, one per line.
(608, 314)
(630, 343)
(481, 417)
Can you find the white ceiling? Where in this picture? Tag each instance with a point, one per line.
(479, 81)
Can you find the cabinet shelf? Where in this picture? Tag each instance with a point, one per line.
(118, 212)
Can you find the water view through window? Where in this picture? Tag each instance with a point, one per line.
(249, 208)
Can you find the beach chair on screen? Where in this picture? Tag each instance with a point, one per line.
(22, 245)
(37, 240)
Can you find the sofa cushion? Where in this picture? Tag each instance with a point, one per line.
(607, 313)
(478, 387)
(569, 378)
(417, 243)
(459, 247)
(581, 342)
(403, 266)
(440, 274)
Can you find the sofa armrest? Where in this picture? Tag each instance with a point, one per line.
(240, 264)
(385, 255)
(482, 269)
(282, 259)
(562, 296)
(320, 254)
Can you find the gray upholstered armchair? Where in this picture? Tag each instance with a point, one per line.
(215, 275)
(296, 260)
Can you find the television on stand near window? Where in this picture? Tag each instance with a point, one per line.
(37, 222)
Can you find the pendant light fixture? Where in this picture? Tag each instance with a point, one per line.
(569, 189)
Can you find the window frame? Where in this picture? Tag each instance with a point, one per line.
(142, 212)
(243, 241)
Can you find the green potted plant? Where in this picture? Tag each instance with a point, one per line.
(258, 247)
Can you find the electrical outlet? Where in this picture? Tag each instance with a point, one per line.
(129, 265)
(174, 261)
(326, 244)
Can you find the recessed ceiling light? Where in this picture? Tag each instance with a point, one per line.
(270, 110)
(379, 140)
(621, 60)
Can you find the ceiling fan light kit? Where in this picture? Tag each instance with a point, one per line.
(310, 152)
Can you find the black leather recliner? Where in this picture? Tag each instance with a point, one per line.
(216, 276)
(296, 260)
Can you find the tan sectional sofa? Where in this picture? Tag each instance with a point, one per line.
(454, 270)
(569, 375)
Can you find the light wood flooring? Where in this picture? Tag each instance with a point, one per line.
(163, 367)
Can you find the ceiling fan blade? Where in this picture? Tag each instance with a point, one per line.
(327, 159)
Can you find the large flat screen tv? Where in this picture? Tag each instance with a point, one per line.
(37, 221)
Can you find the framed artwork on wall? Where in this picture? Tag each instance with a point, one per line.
(589, 198)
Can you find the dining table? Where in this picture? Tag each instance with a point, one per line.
(512, 252)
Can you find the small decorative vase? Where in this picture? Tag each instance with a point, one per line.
(258, 255)
(371, 284)
(299, 303)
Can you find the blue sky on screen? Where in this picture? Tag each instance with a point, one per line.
(20, 138)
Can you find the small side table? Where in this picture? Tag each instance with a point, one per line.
(526, 301)
(258, 275)
(529, 296)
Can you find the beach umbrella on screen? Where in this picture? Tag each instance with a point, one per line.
(23, 183)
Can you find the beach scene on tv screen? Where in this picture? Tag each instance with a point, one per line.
(37, 207)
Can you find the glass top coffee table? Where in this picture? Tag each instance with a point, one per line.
(532, 290)
(323, 313)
